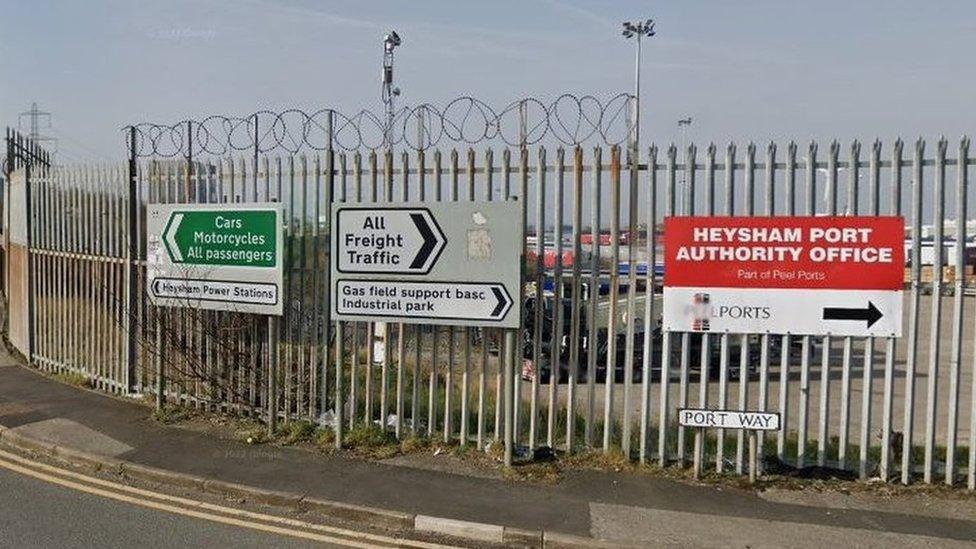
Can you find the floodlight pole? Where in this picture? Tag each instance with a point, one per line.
(639, 30)
(637, 67)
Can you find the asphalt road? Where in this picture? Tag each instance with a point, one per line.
(34, 513)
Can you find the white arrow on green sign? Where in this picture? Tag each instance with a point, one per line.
(238, 238)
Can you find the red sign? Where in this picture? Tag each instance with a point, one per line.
(846, 253)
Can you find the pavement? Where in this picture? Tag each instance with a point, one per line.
(624, 508)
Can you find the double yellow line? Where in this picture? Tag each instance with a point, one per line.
(201, 510)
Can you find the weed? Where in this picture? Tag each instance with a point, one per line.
(324, 437)
(252, 433)
(294, 432)
(172, 414)
(73, 378)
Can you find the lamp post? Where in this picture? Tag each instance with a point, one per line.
(637, 30)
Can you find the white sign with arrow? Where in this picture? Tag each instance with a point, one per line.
(388, 240)
(486, 302)
(448, 263)
(783, 311)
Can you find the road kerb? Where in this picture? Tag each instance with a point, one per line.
(519, 537)
(556, 540)
(363, 515)
(492, 533)
(250, 493)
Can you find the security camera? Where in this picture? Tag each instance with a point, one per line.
(392, 40)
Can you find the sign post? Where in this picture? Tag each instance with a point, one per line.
(220, 257)
(455, 264)
(840, 276)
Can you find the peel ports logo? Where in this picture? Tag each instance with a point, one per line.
(701, 309)
(702, 312)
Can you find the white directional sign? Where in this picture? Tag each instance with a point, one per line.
(777, 310)
(456, 263)
(729, 419)
(224, 257)
(388, 240)
(487, 302)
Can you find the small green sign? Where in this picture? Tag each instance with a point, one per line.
(239, 238)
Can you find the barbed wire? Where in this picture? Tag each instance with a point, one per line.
(569, 119)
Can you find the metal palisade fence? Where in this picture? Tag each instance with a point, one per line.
(595, 369)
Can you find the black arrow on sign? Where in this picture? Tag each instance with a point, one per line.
(870, 314)
(430, 241)
(503, 303)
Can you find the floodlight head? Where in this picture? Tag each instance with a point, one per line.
(640, 28)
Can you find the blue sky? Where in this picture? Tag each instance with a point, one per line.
(745, 69)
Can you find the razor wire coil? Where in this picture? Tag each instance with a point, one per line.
(569, 119)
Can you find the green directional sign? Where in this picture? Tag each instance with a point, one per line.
(238, 238)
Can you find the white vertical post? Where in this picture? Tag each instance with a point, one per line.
(908, 424)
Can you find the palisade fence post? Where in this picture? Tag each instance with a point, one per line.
(632, 162)
(339, 424)
(189, 161)
(557, 296)
(255, 321)
(958, 311)
(810, 192)
(867, 373)
(131, 274)
(650, 242)
(575, 306)
(935, 330)
(9, 169)
(908, 423)
(666, 351)
(273, 322)
(523, 186)
(509, 365)
(29, 222)
(326, 245)
(769, 209)
(884, 468)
